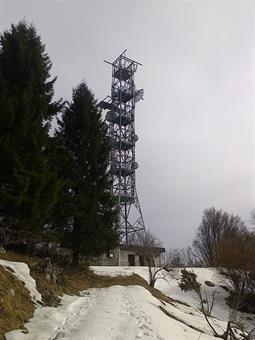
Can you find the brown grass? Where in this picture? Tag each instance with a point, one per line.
(76, 281)
(73, 280)
(16, 309)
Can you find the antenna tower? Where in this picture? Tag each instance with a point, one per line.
(120, 116)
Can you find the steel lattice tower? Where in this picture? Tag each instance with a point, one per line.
(120, 117)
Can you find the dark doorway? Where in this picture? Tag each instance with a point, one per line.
(131, 260)
(141, 260)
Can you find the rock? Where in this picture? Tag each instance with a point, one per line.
(226, 288)
(10, 269)
(54, 277)
(12, 292)
(209, 284)
(40, 303)
(47, 276)
(45, 266)
(51, 299)
(2, 250)
(86, 294)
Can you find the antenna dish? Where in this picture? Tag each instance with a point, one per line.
(139, 95)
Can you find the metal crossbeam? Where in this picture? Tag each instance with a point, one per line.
(121, 127)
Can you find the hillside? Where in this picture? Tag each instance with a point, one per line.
(115, 303)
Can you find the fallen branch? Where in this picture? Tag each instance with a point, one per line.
(178, 319)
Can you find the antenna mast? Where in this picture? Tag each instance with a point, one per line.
(120, 116)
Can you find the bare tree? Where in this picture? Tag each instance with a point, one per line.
(156, 273)
(215, 225)
(180, 258)
(188, 282)
(252, 221)
(146, 238)
(149, 241)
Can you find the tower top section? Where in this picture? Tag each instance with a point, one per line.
(123, 70)
(124, 61)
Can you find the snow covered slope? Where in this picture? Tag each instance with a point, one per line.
(169, 286)
(115, 313)
(130, 312)
(22, 272)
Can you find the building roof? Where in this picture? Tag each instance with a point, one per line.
(146, 250)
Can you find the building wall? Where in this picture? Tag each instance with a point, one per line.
(123, 258)
(119, 257)
(157, 260)
(111, 259)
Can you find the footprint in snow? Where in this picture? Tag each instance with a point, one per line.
(58, 336)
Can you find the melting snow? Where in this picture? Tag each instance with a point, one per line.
(127, 313)
(22, 272)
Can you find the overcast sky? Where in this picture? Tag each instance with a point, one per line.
(195, 124)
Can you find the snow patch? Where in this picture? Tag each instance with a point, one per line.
(22, 272)
(169, 286)
(125, 312)
(114, 313)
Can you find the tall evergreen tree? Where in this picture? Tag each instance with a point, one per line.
(28, 183)
(87, 210)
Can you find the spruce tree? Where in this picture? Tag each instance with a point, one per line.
(87, 210)
(28, 183)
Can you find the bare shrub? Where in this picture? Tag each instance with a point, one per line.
(145, 238)
(236, 259)
(181, 258)
(233, 330)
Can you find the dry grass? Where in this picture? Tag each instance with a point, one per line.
(77, 280)
(11, 256)
(70, 281)
(16, 306)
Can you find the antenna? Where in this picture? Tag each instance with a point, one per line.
(120, 117)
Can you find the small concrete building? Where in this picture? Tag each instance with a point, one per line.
(131, 255)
